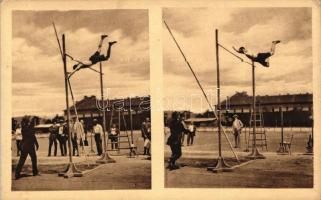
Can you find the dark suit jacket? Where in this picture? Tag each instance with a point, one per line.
(176, 128)
(29, 139)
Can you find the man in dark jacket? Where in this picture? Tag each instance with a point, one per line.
(174, 140)
(53, 138)
(28, 144)
(62, 139)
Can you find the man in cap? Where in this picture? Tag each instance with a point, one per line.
(237, 128)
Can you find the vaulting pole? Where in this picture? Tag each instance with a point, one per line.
(105, 158)
(71, 169)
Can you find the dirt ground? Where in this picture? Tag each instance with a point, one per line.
(276, 171)
(126, 173)
(285, 171)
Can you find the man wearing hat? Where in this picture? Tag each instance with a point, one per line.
(237, 128)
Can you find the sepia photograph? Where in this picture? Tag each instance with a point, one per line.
(171, 99)
(80, 100)
(238, 97)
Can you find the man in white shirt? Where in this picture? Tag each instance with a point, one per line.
(78, 134)
(237, 129)
(98, 132)
(191, 133)
(113, 136)
(18, 137)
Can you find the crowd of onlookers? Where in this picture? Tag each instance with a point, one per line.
(58, 135)
(26, 141)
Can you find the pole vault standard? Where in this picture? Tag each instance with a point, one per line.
(221, 165)
(255, 152)
(105, 158)
(71, 169)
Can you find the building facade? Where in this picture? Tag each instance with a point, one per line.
(117, 110)
(296, 108)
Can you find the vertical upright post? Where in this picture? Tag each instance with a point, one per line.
(312, 123)
(255, 152)
(282, 126)
(119, 119)
(131, 120)
(220, 165)
(67, 95)
(282, 150)
(105, 158)
(254, 104)
(91, 134)
(118, 139)
(71, 169)
(218, 95)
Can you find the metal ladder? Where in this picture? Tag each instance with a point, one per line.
(123, 137)
(261, 139)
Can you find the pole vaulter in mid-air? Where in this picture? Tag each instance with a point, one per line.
(96, 57)
(262, 58)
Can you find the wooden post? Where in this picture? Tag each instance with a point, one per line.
(71, 169)
(91, 134)
(282, 150)
(254, 104)
(220, 165)
(255, 152)
(105, 158)
(282, 126)
(131, 121)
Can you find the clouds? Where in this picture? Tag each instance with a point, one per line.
(37, 65)
(296, 21)
(253, 28)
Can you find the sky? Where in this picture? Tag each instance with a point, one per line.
(38, 80)
(290, 68)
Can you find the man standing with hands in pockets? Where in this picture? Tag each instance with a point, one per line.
(237, 128)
